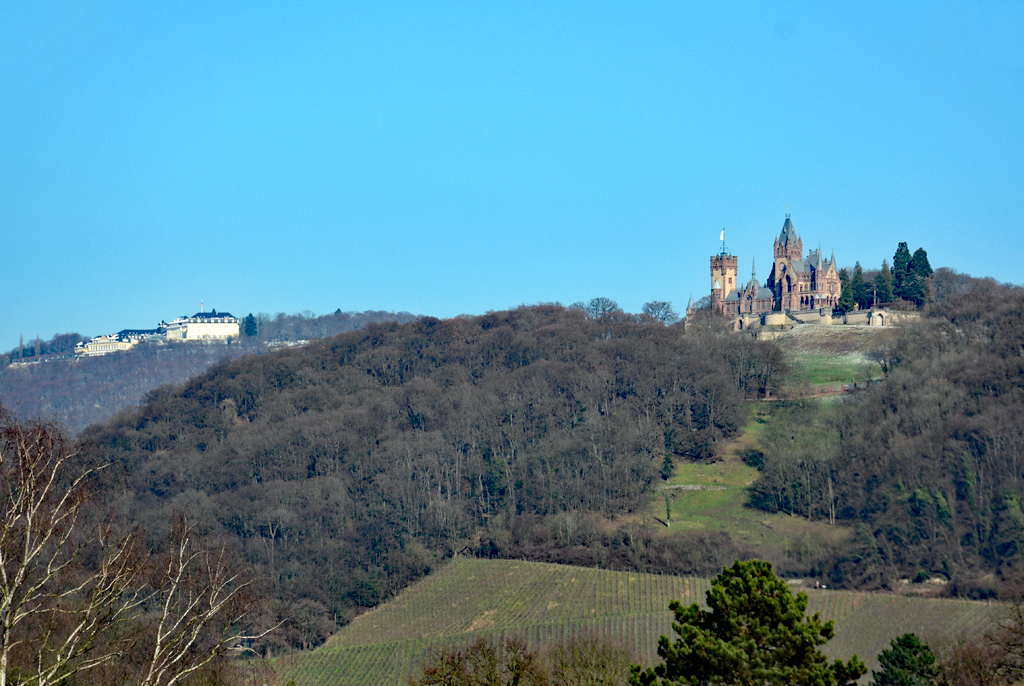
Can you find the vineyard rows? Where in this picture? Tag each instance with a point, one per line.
(394, 663)
(472, 595)
(543, 603)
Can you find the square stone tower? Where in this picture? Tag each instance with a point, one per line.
(723, 279)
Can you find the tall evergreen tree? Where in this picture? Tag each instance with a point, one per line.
(861, 289)
(915, 285)
(846, 300)
(900, 262)
(883, 284)
(915, 289)
(919, 265)
(251, 328)
(753, 632)
(907, 662)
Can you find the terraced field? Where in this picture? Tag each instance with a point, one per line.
(470, 598)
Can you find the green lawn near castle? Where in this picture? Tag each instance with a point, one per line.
(832, 354)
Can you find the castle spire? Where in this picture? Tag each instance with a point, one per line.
(788, 233)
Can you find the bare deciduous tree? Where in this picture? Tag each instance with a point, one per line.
(601, 307)
(661, 311)
(204, 599)
(589, 660)
(505, 662)
(48, 594)
(968, 661)
(76, 595)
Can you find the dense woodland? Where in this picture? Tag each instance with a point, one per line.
(343, 469)
(346, 468)
(926, 465)
(80, 392)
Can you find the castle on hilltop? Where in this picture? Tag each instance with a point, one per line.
(798, 289)
(794, 284)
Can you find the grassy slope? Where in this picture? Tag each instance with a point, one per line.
(818, 355)
(827, 354)
(469, 598)
(721, 504)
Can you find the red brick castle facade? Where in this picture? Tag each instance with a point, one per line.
(795, 283)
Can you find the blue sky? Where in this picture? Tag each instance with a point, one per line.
(457, 158)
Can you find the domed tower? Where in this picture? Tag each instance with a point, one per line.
(755, 297)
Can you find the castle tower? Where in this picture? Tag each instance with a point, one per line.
(723, 279)
(797, 283)
(788, 245)
(785, 279)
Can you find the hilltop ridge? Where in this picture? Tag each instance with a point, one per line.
(47, 378)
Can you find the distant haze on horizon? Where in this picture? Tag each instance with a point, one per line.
(458, 158)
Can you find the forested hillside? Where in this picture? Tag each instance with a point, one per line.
(345, 468)
(928, 464)
(84, 391)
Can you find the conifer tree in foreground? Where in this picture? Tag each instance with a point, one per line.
(754, 634)
(906, 662)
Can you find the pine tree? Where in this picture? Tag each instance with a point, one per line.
(883, 284)
(846, 300)
(251, 328)
(915, 285)
(915, 289)
(900, 262)
(919, 265)
(907, 662)
(861, 289)
(753, 632)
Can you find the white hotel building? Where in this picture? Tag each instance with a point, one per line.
(203, 326)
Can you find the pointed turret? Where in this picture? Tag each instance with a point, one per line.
(788, 232)
(788, 245)
(753, 285)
